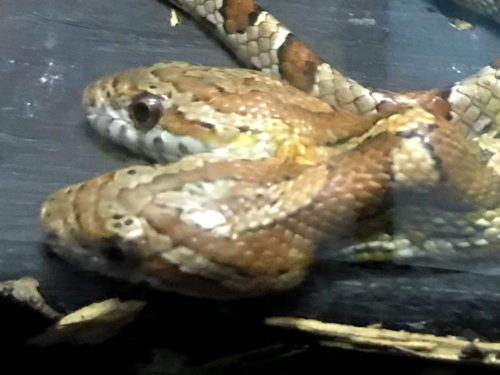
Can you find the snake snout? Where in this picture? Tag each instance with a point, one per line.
(70, 239)
(57, 217)
(110, 89)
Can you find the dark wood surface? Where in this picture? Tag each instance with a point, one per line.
(49, 51)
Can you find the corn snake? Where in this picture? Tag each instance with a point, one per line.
(257, 243)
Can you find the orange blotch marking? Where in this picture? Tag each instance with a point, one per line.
(298, 63)
(239, 15)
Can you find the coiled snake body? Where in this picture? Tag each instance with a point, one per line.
(275, 171)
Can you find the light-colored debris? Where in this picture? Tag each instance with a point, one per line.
(92, 324)
(174, 20)
(375, 339)
(24, 292)
(460, 25)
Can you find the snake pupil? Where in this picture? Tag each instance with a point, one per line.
(141, 112)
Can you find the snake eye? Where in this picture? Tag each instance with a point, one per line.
(145, 110)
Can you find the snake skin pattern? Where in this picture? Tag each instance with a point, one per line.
(277, 168)
(489, 8)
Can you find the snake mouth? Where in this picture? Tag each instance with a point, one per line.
(68, 241)
(114, 125)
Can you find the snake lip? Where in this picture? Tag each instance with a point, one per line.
(156, 143)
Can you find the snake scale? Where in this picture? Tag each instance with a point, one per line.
(273, 164)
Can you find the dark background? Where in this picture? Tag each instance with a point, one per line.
(49, 51)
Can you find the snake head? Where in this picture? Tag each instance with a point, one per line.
(129, 108)
(198, 227)
(166, 111)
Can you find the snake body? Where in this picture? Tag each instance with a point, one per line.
(278, 168)
(489, 8)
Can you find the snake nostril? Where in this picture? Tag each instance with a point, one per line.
(114, 254)
(121, 256)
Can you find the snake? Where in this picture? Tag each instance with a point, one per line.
(259, 167)
(488, 8)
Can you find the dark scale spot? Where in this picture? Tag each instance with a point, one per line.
(405, 134)
(152, 87)
(182, 148)
(429, 147)
(486, 155)
(117, 225)
(431, 127)
(486, 128)
(248, 81)
(157, 141)
(117, 216)
(421, 134)
(252, 17)
(337, 142)
(131, 171)
(206, 125)
(157, 73)
(108, 94)
(437, 160)
(220, 89)
(115, 82)
(432, 151)
(244, 129)
(480, 228)
(128, 222)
